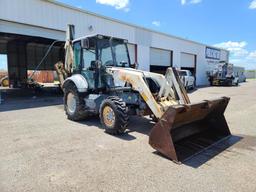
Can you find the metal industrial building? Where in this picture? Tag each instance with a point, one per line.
(28, 27)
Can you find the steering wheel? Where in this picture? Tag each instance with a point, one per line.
(109, 63)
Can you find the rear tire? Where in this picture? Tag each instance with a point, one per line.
(114, 115)
(74, 103)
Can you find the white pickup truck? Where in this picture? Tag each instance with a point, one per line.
(187, 79)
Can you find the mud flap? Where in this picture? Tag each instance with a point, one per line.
(186, 130)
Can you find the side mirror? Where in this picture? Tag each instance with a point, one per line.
(135, 65)
(85, 43)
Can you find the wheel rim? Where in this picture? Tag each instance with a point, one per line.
(5, 83)
(109, 116)
(71, 103)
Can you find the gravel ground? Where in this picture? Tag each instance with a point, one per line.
(42, 151)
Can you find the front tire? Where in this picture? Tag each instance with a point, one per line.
(114, 115)
(74, 103)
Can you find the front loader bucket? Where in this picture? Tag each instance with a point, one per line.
(186, 130)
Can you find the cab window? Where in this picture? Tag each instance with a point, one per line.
(182, 73)
(121, 55)
(77, 55)
(105, 52)
(106, 57)
(89, 56)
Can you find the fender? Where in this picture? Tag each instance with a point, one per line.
(80, 82)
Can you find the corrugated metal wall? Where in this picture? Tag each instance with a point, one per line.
(42, 18)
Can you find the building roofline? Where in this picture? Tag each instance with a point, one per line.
(126, 23)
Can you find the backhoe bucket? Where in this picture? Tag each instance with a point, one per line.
(185, 130)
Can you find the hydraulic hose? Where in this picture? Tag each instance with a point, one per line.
(43, 59)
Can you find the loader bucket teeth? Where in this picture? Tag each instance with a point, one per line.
(186, 130)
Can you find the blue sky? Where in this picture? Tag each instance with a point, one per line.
(230, 24)
(3, 62)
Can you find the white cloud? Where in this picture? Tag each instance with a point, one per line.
(156, 23)
(184, 2)
(253, 5)
(239, 55)
(118, 4)
(195, 1)
(237, 49)
(232, 44)
(252, 55)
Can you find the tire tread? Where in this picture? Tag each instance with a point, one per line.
(121, 115)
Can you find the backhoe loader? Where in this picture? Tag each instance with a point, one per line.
(98, 79)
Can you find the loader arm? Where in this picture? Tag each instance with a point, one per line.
(136, 79)
(172, 78)
(171, 90)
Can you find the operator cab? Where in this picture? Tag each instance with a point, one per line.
(102, 50)
(93, 54)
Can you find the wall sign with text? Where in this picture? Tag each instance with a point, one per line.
(212, 53)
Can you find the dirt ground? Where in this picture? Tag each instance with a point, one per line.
(43, 151)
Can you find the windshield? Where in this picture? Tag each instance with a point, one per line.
(110, 52)
(121, 54)
(118, 58)
(182, 73)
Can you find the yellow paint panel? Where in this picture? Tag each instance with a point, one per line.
(144, 96)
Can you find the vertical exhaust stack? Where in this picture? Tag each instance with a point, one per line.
(185, 130)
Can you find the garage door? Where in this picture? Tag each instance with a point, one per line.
(188, 60)
(132, 52)
(160, 60)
